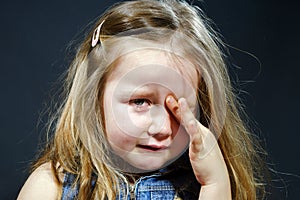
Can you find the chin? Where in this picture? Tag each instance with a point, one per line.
(147, 165)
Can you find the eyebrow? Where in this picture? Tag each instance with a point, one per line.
(127, 93)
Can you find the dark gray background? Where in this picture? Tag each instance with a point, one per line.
(35, 35)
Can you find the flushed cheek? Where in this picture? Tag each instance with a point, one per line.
(180, 140)
(139, 124)
(129, 122)
(119, 141)
(117, 138)
(124, 133)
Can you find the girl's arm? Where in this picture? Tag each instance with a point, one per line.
(40, 185)
(205, 155)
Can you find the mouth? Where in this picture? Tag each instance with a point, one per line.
(152, 147)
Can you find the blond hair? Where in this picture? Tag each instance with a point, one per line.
(79, 144)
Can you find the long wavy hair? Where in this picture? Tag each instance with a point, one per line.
(78, 144)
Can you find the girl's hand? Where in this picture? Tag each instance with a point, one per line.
(205, 155)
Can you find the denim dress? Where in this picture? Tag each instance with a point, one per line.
(176, 181)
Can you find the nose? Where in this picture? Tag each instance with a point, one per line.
(161, 121)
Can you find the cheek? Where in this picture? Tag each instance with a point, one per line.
(140, 120)
(174, 126)
(125, 128)
(180, 141)
(128, 121)
(119, 140)
(179, 136)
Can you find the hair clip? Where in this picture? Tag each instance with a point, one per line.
(96, 35)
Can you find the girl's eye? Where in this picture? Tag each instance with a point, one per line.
(140, 104)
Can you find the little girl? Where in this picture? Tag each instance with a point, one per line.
(149, 113)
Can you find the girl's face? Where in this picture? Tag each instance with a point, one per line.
(139, 127)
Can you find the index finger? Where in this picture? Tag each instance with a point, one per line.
(180, 109)
(173, 106)
(183, 114)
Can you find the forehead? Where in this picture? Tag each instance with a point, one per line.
(154, 66)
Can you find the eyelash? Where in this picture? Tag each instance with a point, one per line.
(139, 104)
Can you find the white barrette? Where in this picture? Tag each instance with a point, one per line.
(96, 35)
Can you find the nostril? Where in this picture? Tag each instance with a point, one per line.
(161, 136)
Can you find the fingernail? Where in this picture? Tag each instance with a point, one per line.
(182, 104)
(170, 99)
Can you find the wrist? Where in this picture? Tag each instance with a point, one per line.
(216, 191)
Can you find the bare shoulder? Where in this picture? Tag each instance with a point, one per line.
(40, 184)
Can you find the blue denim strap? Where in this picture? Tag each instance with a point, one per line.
(70, 189)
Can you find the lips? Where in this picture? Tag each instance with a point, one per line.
(152, 147)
